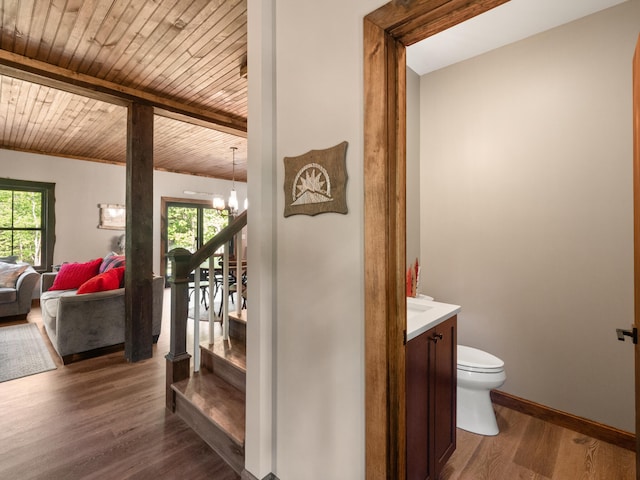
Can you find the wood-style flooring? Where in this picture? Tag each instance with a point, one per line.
(103, 418)
(529, 448)
(99, 418)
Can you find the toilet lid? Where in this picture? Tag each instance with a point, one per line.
(474, 360)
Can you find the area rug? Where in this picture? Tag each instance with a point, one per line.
(204, 312)
(23, 352)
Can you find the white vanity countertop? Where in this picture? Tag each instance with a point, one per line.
(423, 314)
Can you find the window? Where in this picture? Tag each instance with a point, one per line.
(27, 222)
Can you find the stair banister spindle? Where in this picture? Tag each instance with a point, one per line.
(239, 250)
(225, 292)
(212, 276)
(196, 320)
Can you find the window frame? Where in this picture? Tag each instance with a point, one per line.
(48, 215)
(166, 203)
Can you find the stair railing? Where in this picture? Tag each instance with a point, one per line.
(183, 263)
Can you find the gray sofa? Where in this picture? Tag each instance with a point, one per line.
(17, 301)
(77, 324)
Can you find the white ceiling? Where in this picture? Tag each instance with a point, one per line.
(508, 23)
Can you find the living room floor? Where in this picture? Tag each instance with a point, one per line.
(101, 418)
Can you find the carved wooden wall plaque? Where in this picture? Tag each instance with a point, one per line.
(316, 182)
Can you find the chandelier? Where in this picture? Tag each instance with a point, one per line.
(233, 197)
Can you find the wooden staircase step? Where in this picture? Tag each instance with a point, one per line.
(227, 359)
(238, 325)
(232, 351)
(240, 317)
(215, 410)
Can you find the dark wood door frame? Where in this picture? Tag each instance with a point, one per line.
(387, 31)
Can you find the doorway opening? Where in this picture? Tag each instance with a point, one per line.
(387, 32)
(187, 224)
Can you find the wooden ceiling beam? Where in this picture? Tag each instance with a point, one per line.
(35, 71)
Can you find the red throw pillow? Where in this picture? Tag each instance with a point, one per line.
(72, 275)
(109, 280)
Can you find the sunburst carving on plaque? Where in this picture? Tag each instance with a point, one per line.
(316, 182)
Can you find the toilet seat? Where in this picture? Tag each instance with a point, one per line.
(474, 360)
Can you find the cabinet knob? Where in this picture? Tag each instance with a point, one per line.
(436, 336)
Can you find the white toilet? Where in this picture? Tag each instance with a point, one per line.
(478, 372)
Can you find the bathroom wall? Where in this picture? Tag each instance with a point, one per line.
(413, 166)
(526, 210)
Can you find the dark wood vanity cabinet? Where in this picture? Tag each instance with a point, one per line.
(431, 368)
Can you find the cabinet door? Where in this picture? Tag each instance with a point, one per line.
(418, 418)
(431, 376)
(444, 381)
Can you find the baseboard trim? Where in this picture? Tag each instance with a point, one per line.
(582, 425)
(248, 476)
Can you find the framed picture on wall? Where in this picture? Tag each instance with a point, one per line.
(316, 182)
(112, 216)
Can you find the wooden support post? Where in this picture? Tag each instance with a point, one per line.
(139, 252)
(178, 360)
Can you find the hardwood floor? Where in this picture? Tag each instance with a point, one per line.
(529, 448)
(103, 418)
(99, 418)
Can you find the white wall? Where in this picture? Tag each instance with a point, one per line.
(320, 287)
(261, 346)
(82, 185)
(526, 164)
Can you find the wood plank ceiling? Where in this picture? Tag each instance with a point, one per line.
(187, 51)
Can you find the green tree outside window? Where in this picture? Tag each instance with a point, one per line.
(27, 221)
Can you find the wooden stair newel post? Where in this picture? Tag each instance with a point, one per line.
(178, 360)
